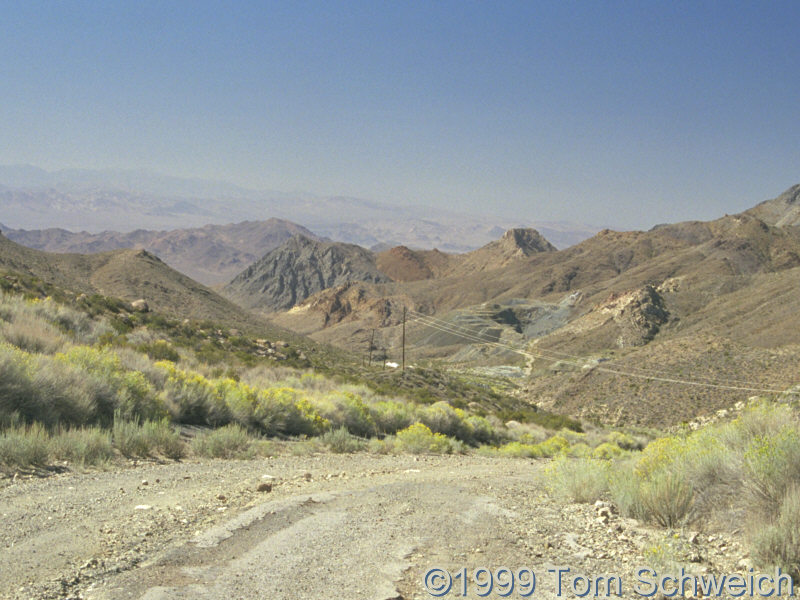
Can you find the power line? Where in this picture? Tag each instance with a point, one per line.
(443, 326)
(563, 356)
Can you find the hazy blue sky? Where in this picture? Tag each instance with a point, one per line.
(623, 113)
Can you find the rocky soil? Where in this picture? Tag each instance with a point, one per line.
(355, 526)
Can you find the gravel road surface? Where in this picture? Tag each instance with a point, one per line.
(360, 527)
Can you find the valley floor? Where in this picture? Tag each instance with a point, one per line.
(357, 527)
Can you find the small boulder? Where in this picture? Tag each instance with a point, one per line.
(140, 305)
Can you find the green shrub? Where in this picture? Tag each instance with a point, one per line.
(25, 447)
(772, 466)
(623, 440)
(624, 485)
(419, 439)
(442, 418)
(160, 350)
(86, 446)
(778, 543)
(666, 498)
(520, 450)
(190, 397)
(230, 441)
(384, 446)
(286, 411)
(579, 480)
(348, 410)
(341, 441)
(33, 336)
(554, 445)
(390, 416)
(164, 439)
(148, 439)
(607, 451)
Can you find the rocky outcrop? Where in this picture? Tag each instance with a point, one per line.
(638, 314)
(300, 268)
(516, 244)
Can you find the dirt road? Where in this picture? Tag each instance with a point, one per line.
(355, 527)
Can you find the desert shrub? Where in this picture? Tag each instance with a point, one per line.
(381, 446)
(17, 394)
(24, 447)
(65, 395)
(390, 416)
(164, 439)
(419, 439)
(772, 466)
(778, 543)
(134, 395)
(580, 450)
(230, 441)
(38, 337)
(237, 402)
(607, 451)
(623, 440)
(160, 350)
(481, 430)
(666, 498)
(624, 486)
(553, 445)
(341, 441)
(442, 418)
(151, 438)
(520, 450)
(85, 446)
(286, 411)
(190, 397)
(348, 410)
(579, 480)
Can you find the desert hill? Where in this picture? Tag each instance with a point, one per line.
(212, 255)
(129, 275)
(783, 211)
(711, 300)
(302, 267)
(299, 268)
(402, 264)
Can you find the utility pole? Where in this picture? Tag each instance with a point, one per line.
(404, 339)
(371, 346)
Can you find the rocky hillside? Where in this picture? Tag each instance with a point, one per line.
(608, 326)
(126, 274)
(783, 211)
(403, 264)
(213, 254)
(299, 268)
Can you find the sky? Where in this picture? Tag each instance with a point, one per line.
(615, 113)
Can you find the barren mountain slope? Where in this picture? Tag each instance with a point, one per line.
(716, 299)
(783, 211)
(299, 268)
(129, 275)
(403, 264)
(212, 254)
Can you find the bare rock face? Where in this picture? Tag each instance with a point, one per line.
(639, 315)
(300, 268)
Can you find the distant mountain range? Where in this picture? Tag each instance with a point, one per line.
(609, 324)
(639, 327)
(123, 201)
(213, 254)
